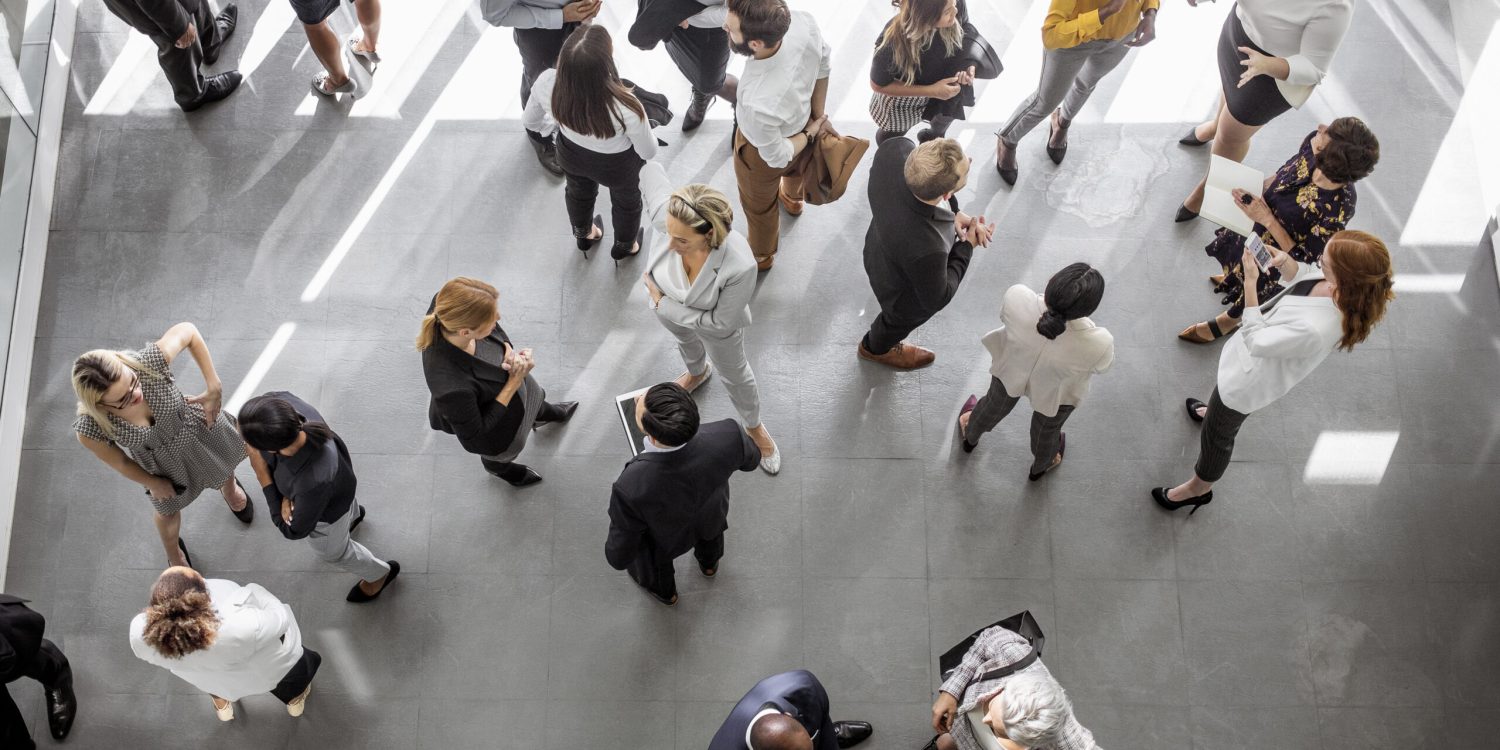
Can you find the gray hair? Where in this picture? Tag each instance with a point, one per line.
(1034, 709)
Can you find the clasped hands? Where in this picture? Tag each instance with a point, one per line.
(518, 362)
(949, 87)
(582, 10)
(973, 230)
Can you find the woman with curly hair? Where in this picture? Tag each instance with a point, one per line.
(225, 639)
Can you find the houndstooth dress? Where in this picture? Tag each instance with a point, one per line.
(177, 445)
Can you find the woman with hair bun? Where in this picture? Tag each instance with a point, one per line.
(225, 639)
(699, 280)
(1045, 349)
(1282, 342)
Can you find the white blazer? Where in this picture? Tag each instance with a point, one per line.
(257, 644)
(1049, 372)
(1273, 351)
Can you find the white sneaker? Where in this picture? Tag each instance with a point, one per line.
(772, 464)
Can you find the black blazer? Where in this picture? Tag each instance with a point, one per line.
(20, 637)
(158, 19)
(463, 397)
(797, 694)
(913, 261)
(671, 501)
(657, 20)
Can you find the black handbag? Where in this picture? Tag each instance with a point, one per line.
(1022, 624)
(986, 60)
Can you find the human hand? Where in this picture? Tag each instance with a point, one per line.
(1249, 268)
(161, 488)
(684, 25)
(652, 289)
(961, 222)
(286, 509)
(1255, 64)
(520, 365)
(211, 400)
(582, 10)
(945, 89)
(979, 233)
(815, 126)
(1254, 207)
(943, 711)
(187, 38)
(1145, 31)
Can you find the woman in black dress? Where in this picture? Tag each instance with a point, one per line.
(924, 68)
(482, 389)
(1304, 203)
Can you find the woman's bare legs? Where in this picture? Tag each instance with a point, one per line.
(1231, 141)
(369, 24)
(168, 527)
(233, 496)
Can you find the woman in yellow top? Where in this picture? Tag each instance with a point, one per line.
(1083, 41)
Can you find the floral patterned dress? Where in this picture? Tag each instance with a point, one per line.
(1307, 212)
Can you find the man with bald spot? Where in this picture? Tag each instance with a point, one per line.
(787, 711)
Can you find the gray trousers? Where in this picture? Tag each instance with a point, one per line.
(1068, 78)
(728, 355)
(332, 543)
(1046, 431)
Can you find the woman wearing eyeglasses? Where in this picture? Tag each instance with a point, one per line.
(700, 278)
(133, 417)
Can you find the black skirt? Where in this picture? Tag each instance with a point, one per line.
(1257, 102)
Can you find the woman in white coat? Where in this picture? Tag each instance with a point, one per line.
(1282, 342)
(700, 277)
(1045, 349)
(225, 639)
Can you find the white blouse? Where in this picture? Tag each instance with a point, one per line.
(1306, 33)
(538, 119)
(774, 98)
(1274, 351)
(1048, 372)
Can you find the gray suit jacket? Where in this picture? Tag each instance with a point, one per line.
(158, 19)
(718, 304)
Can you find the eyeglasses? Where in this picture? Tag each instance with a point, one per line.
(135, 380)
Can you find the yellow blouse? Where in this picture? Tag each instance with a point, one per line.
(1070, 23)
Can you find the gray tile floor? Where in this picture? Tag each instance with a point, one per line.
(1291, 614)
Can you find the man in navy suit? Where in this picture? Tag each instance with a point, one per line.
(787, 711)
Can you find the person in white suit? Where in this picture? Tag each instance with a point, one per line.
(1046, 349)
(700, 278)
(1282, 342)
(225, 639)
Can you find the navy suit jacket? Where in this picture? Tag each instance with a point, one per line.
(797, 693)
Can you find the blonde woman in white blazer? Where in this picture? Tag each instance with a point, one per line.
(225, 639)
(700, 277)
(1046, 349)
(1282, 342)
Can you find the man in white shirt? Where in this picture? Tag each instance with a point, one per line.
(693, 31)
(779, 111)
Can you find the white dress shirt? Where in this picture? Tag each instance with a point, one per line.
(1306, 33)
(1273, 351)
(774, 99)
(538, 119)
(258, 642)
(711, 17)
(1049, 372)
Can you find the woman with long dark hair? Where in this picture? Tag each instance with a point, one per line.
(922, 70)
(604, 136)
(1046, 350)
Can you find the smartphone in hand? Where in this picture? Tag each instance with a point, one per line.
(1260, 251)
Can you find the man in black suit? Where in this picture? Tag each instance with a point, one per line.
(787, 711)
(25, 653)
(674, 497)
(187, 34)
(916, 250)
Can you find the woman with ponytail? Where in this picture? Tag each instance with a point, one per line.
(482, 389)
(225, 639)
(1282, 342)
(1045, 349)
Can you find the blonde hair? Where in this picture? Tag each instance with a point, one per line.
(932, 168)
(914, 30)
(704, 209)
(461, 303)
(93, 374)
(1362, 269)
(180, 619)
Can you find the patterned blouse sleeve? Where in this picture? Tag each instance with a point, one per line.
(1332, 217)
(152, 357)
(86, 426)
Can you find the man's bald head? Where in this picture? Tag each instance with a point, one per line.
(779, 732)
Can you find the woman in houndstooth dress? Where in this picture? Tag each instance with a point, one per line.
(133, 417)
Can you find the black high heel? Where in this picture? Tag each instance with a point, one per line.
(1192, 409)
(584, 243)
(1159, 494)
(620, 254)
(183, 546)
(1184, 214)
(1062, 450)
(247, 513)
(1191, 139)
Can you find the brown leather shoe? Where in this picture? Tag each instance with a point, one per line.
(902, 356)
(793, 208)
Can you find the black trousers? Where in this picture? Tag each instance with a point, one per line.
(1216, 442)
(48, 666)
(890, 327)
(1046, 432)
(539, 50)
(298, 677)
(550, 412)
(653, 569)
(181, 65)
(702, 55)
(585, 171)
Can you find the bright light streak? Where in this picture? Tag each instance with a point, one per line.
(1174, 78)
(126, 80)
(262, 365)
(1350, 457)
(1429, 283)
(272, 24)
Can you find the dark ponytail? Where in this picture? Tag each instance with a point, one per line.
(1072, 293)
(269, 423)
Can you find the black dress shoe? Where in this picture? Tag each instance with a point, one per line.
(358, 595)
(546, 154)
(226, 21)
(247, 513)
(359, 519)
(62, 706)
(566, 407)
(1184, 214)
(1159, 494)
(851, 733)
(697, 110)
(1192, 409)
(518, 475)
(216, 88)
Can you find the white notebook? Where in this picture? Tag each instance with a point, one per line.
(1218, 198)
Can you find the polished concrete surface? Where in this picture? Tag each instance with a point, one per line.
(1341, 592)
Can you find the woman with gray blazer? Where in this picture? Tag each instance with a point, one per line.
(700, 277)
(1282, 342)
(1046, 349)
